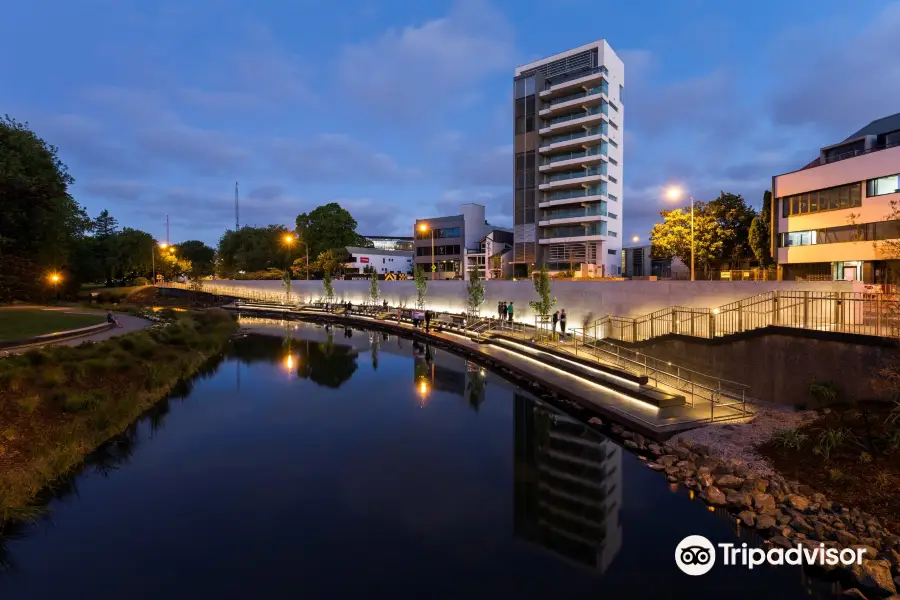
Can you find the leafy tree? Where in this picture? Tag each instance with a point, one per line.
(251, 249)
(475, 290)
(132, 253)
(105, 227)
(331, 261)
(329, 226)
(41, 225)
(202, 257)
(733, 217)
(374, 292)
(421, 286)
(672, 237)
(760, 235)
(545, 302)
(327, 285)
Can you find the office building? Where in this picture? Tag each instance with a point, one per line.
(491, 256)
(383, 261)
(569, 148)
(568, 485)
(452, 237)
(391, 242)
(829, 217)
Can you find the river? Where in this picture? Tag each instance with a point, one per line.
(309, 464)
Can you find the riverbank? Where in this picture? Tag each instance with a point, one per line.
(60, 403)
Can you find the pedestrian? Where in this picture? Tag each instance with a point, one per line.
(562, 323)
(501, 309)
(349, 307)
(427, 320)
(555, 320)
(509, 312)
(384, 305)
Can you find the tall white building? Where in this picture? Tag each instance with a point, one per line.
(568, 140)
(829, 219)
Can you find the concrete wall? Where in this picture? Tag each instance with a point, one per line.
(779, 367)
(620, 298)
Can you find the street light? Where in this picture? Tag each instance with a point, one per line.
(289, 241)
(635, 239)
(54, 281)
(162, 246)
(674, 193)
(423, 228)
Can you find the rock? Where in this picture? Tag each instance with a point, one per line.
(869, 553)
(805, 490)
(670, 470)
(667, 459)
(747, 517)
(705, 479)
(787, 532)
(764, 522)
(709, 463)
(655, 449)
(781, 541)
(814, 508)
(823, 532)
(642, 457)
(854, 593)
(737, 499)
(782, 518)
(819, 499)
(595, 421)
(753, 485)
(838, 524)
(630, 444)
(893, 557)
(801, 524)
(639, 440)
(617, 429)
(682, 453)
(691, 484)
(656, 466)
(701, 449)
(627, 435)
(870, 541)
(715, 496)
(672, 479)
(797, 502)
(897, 585)
(874, 575)
(846, 538)
(686, 472)
(729, 481)
(764, 503)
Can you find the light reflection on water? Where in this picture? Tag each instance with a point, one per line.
(325, 462)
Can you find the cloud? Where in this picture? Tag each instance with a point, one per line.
(492, 166)
(115, 190)
(411, 72)
(838, 88)
(375, 217)
(266, 192)
(206, 152)
(336, 158)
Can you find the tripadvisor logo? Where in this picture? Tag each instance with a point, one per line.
(696, 555)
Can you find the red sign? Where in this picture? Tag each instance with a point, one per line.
(364, 259)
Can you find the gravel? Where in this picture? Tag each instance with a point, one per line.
(737, 441)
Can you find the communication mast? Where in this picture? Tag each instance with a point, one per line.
(237, 213)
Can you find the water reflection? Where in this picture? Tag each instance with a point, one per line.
(568, 485)
(323, 362)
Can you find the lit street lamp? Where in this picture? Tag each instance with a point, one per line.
(289, 241)
(674, 193)
(54, 281)
(423, 228)
(635, 239)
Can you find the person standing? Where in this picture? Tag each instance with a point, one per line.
(427, 321)
(509, 312)
(500, 310)
(562, 323)
(555, 321)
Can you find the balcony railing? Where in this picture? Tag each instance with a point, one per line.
(574, 231)
(595, 151)
(594, 210)
(597, 89)
(573, 116)
(855, 153)
(577, 174)
(595, 190)
(572, 76)
(572, 136)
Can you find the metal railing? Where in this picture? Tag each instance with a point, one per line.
(862, 313)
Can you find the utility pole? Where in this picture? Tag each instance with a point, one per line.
(167, 231)
(237, 214)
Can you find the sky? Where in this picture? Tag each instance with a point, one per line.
(402, 110)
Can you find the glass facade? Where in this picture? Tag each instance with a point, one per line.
(836, 198)
(563, 231)
(446, 232)
(863, 232)
(591, 210)
(883, 185)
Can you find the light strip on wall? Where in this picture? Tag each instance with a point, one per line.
(572, 362)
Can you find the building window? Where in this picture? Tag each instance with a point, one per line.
(883, 185)
(621, 93)
(862, 232)
(611, 251)
(836, 198)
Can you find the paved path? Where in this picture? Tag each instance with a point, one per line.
(129, 324)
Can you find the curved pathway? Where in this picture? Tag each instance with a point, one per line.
(129, 324)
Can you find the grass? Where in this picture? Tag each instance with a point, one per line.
(851, 454)
(63, 402)
(21, 323)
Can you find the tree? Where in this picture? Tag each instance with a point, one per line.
(331, 261)
(672, 237)
(760, 235)
(132, 253)
(202, 257)
(733, 217)
(421, 286)
(105, 227)
(475, 289)
(251, 249)
(326, 284)
(545, 302)
(329, 226)
(374, 292)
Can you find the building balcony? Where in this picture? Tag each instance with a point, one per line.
(572, 197)
(583, 118)
(588, 97)
(575, 178)
(579, 232)
(584, 218)
(592, 79)
(589, 157)
(588, 136)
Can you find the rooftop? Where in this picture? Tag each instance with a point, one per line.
(404, 253)
(389, 237)
(886, 130)
(878, 127)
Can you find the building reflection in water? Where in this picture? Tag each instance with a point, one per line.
(568, 485)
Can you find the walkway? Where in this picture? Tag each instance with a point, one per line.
(129, 324)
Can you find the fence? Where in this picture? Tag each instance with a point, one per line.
(861, 313)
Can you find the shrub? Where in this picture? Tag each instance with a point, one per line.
(53, 376)
(35, 357)
(823, 392)
(141, 281)
(29, 403)
(830, 440)
(79, 401)
(790, 438)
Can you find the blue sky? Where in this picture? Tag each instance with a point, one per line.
(400, 110)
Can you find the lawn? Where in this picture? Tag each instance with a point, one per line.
(20, 323)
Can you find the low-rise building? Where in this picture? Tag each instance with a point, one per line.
(382, 261)
(491, 257)
(391, 242)
(830, 218)
(638, 261)
(442, 243)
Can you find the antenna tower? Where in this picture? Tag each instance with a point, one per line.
(237, 213)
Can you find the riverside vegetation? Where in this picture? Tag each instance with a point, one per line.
(60, 403)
